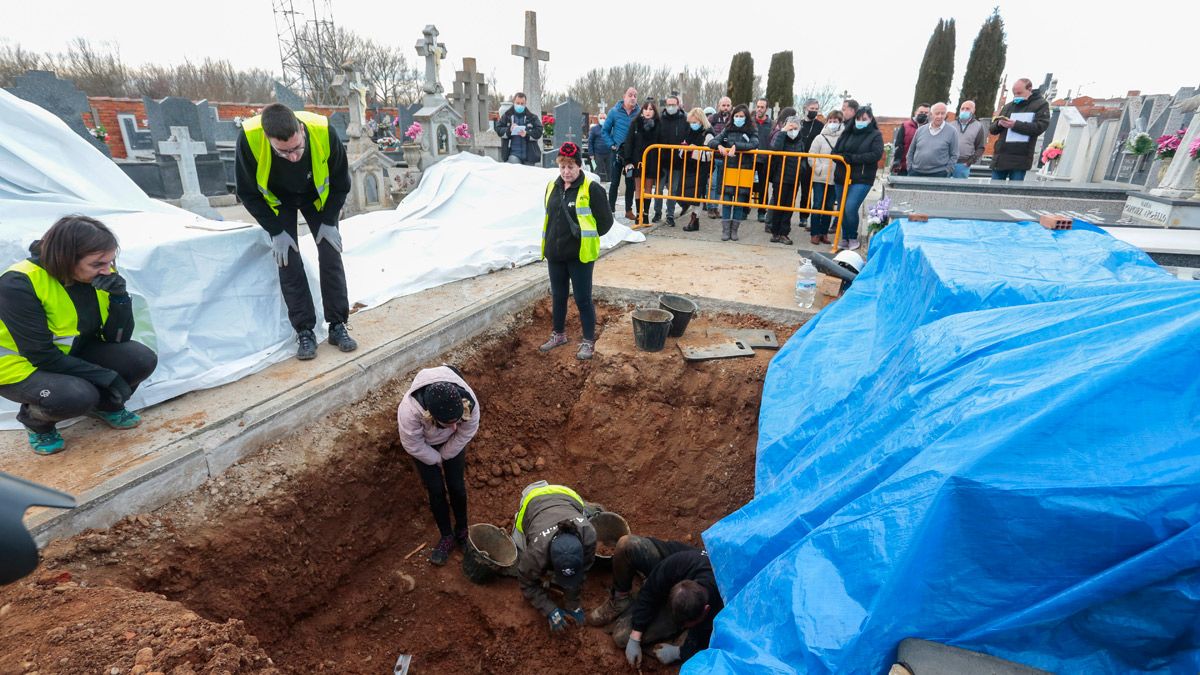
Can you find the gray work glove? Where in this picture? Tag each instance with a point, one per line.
(280, 244)
(113, 284)
(666, 653)
(633, 653)
(329, 233)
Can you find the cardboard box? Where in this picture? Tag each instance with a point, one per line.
(1054, 221)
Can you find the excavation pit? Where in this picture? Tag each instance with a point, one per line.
(303, 557)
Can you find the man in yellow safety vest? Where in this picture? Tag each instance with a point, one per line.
(313, 179)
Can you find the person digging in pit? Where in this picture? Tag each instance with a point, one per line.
(679, 596)
(553, 535)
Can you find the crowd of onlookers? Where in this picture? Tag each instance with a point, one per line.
(723, 168)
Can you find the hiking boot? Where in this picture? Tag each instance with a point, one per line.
(629, 215)
(725, 226)
(460, 538)
(693, 224)
(610, 610)
(307, 345)
(556, 340)
(119, 419)
(441, 552)
(586, 349)
(783, 239)
(733, 228)
(339, 336)
(46, 443)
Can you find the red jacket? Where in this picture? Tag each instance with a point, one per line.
(907, 132)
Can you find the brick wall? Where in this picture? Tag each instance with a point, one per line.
(107, 109)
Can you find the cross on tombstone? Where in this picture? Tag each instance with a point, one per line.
(348, 86)
(530, 52)
(434, 52)
(185, 150)
(470, 96)
(568, 118)
(845, 94)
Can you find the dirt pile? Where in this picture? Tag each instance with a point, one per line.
(296, 558)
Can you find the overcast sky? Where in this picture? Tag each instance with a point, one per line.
(871, 49)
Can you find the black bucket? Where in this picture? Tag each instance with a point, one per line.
(489, 553)
(650, 328)
(610, 527)
(681, 309)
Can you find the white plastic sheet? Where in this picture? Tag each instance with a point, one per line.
(208, 302)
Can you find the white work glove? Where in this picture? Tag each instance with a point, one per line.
(280, 244)
(329, 233)
(666, 653)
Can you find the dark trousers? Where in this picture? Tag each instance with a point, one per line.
(565, 277)
(603, 166)
(805, 193)
(448, 477)
(616, 175)
(47, 398)
(762, 187)
(781, 221)
(294, 283)
(824, 197)
(634, 555)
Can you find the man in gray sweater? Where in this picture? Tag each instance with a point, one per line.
(934, 151)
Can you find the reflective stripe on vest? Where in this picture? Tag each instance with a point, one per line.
(589, 236)
(547, 490)
(318, 142)
(61, 320)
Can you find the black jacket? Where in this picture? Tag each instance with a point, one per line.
(642, 134)
(790, 166)
(292, 183)
(23, 315)
(532, 139)
(674, 131)
(562, 229)
(687, 564)
(764, 136)
(809, 130)
(1019, 156)
(720, 120)
(862, 149)
(743, 140)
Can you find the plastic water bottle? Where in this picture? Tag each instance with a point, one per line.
(806, 284)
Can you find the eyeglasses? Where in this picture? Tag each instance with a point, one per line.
(292, 152)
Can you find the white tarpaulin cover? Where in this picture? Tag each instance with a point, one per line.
(208, 302)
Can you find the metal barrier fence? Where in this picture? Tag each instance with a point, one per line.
(699, 164)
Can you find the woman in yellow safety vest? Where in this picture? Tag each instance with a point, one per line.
(66, 321)
(577, 215)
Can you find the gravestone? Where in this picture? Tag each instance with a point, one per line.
(470, 96)
(350, 88)
(568, 123)
(368, 165)
(340, 122)
(532, 80)
(1174, 202)
(185, 151)
(288, 97)
(436, 116)
(138, 143)
(434, 52)
(174, 111)
(61, 98)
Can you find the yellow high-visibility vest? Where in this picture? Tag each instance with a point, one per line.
(318, 139)
(589, 237)
(538, 492)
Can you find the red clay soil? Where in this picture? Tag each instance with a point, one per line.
(294, 561)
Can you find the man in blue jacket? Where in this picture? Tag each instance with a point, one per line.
(599, 151)
(613, 133)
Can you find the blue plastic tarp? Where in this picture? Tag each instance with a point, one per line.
(991, 441)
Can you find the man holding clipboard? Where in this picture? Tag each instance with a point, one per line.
(1018, 125)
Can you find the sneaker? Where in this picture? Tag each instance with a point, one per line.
(657, 217)
(843, 244)
(46, 443)
(762, 216)
(556, 340)
(774, 239)
(586, 349)
(119, 419)
(852, 245)
(460, 538)
(441, 552)
(610, 610)
(307, 349)
(670, 221)
(783, 239)
(339, 336)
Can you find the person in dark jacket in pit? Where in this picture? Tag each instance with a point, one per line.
(577, 215)
(861, 145)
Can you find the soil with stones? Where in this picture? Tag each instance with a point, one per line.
(296, 560)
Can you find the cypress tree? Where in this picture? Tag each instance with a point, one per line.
(937, 67)
(741, 78)
(781, 80)
(985, 66)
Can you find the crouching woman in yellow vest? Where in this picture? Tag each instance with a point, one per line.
(577, 215)
(65, 327)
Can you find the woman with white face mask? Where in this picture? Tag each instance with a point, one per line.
(824, 194)
(786, 176)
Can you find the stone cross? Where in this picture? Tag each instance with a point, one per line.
(530, 52)
(470, 96)
(434, 52)
(185, 151)
(348, 86)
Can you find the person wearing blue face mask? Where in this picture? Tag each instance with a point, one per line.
(972, 139)
(520, 132)
(734, 144)
(697, 164)
(861, 146)
(1017, 126)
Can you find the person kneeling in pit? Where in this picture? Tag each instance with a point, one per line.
(66, 321)
(679, 595)
(552, 534)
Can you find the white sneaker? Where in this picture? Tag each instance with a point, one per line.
(853, 245)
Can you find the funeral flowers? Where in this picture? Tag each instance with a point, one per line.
(548, 125)
(413, 133)
(1165, 146)
(1141, 144)
(1194, 149)
(1053, 152)
(463, 131)
(387, 143)
(879, 214)
(99, 133)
